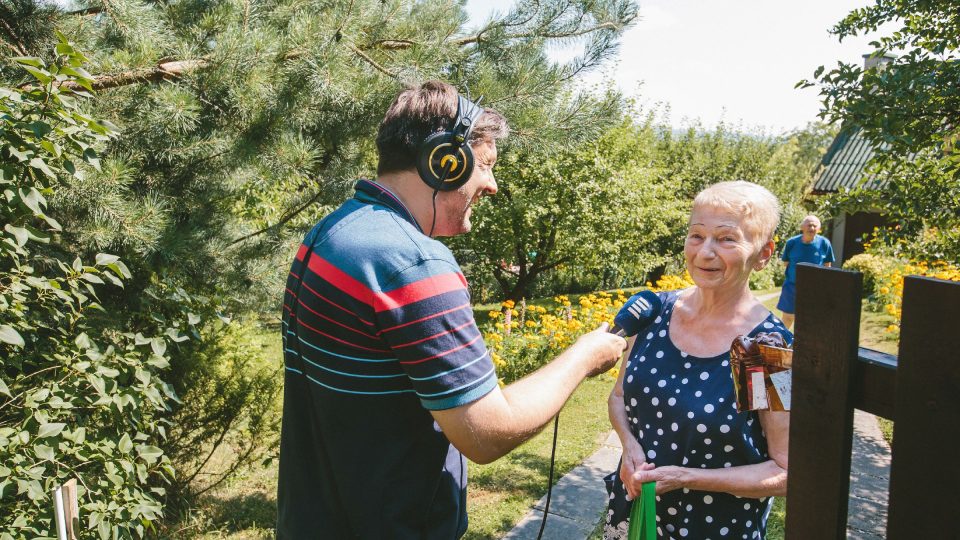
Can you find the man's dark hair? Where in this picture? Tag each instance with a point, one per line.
(419, 112)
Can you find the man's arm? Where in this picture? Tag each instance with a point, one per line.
(488, 428)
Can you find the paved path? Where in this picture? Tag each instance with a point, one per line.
(579, 498)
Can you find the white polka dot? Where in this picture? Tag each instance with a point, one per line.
(685, 460)
(701, 428)
(724, 531)
(642, 359)
(749, 523)
(724, 428)
(655, 401)
(684, 355)
(672, 401)
(659, 432)
(768, 325)
(652, 371)
(650, 335)
(721, 400)
(689, 508)
(673, 446)
(725, 363)
(727, 465)
(661, 383)
(687, 365)
(684, 380)
(686, 490)
(698, 393)
(728, 448)
(674, 426)
(646, 389)
(633, 402)
(708, 408)
(746, 506)
(657, 320)
(670, 527)
(708, 456)
(672, 511)
(659, 414)
(707, 441)
(708, 499)
(663, 333)
(651, 454)
(704, 376)
(690, 414)
(659, 354)
(709, 519)
(683, 532)
(629, 378)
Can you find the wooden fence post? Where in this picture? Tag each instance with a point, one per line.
(821, 419)
(925, 474)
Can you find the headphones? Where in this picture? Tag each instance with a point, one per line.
(444, 159)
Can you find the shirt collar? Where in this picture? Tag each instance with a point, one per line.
(372, 192)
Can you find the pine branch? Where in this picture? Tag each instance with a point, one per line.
(289, 215)
(17, 44)
(86, 11)
(371, 61)
(164, 71)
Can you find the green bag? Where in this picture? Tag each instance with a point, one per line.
(643, 514)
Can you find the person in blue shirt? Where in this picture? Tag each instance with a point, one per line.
(807, 247)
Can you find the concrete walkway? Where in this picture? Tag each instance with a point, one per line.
(579, 498)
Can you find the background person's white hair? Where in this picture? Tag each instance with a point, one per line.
(754, 204)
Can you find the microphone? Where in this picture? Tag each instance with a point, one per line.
(636, 314)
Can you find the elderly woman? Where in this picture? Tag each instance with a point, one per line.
(673, 403)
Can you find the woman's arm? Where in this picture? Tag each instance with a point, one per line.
(633, 457)
(759, 480)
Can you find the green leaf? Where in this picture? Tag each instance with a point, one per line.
(51, 429)
(158, 345)
(104, 259)
(149, 453)
(41, 165)
(4, 389)
(11, 336)
(19, 233)
(29, 61)
(125, 445)
(192, 319)
(43, 452)
(33, 199)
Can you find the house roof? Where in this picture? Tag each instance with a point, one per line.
(843, 164)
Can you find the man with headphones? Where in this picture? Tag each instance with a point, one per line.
(388, 383)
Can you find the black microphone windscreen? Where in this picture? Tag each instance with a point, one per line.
(637, 313)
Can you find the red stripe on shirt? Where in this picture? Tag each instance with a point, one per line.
(421, 319)
(301, 252)
(444, 353)
(428, 338)
(322, 316)
(419, 290)
(354, 345)
(336, 305)
(340, 279)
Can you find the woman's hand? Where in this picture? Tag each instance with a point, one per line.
(633, 460)
(668, 477)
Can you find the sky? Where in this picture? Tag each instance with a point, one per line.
(735, 61)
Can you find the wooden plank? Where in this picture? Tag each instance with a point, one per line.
(924, 474)
(821, 418)
(875, 382)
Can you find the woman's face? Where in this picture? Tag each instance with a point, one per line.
(719, 252)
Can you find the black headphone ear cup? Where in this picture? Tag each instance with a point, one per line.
(439, 151)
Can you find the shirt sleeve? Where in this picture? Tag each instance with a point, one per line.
(786, 250)
(427, 320)
(828, 256)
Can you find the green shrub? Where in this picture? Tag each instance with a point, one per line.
(874, 269)
(78, 399)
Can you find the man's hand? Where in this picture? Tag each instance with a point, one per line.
(601, 348)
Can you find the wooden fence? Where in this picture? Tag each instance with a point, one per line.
(919, 389)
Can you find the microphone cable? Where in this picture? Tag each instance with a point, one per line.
(553, 457)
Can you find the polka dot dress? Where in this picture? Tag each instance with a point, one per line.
(681, 409)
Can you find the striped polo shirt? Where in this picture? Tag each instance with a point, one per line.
(377, 330)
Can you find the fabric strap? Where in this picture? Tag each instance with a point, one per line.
(643, 514)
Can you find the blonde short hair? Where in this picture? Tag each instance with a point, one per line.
(758, 209)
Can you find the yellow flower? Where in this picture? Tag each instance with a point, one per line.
(884, 290)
